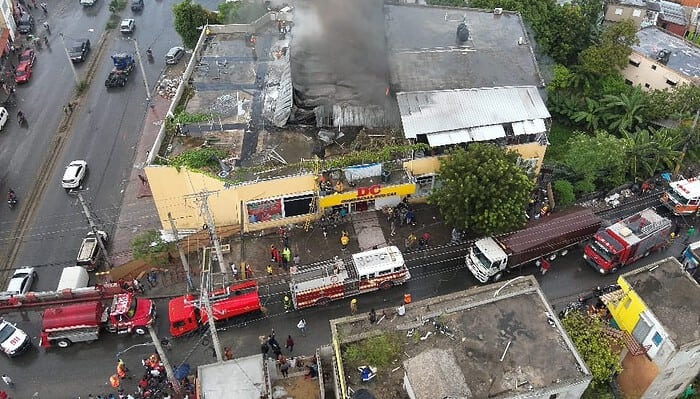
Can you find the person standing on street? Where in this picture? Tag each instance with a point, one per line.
(353, 306)
(8, 381)
(270, 270)
(302, 327)
(264, 348)
(545, 266)
(286, 257)
(228, 353)
(691, 233)
(290, 344)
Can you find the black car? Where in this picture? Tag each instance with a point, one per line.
(79, 49)
(26, 23)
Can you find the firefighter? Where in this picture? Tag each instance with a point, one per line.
(287, 304)
(121, 369)
(353, 306)
(114, 381)
(269, 270)
(344, 240)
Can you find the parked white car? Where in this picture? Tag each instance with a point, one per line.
(21, 281)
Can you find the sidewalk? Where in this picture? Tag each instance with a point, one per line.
(138, 212)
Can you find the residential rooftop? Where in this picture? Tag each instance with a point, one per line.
(506, 342)
(672, 296)
(426, 55)
(685, 56)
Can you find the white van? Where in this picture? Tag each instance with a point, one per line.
(73, 277)
(3, 117)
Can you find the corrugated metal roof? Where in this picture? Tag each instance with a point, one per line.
(427, 112)
(673, 12)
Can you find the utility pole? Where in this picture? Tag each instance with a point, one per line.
(183, 258)
(685, 145)
(204, 297)
(93, 227)
(70, 62)
(143, 71)
(166, 363)
(204, 196)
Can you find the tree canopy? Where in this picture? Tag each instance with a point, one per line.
(189, 19)
(482, 189)
(610, 54)
(594, 345)
(150, 247)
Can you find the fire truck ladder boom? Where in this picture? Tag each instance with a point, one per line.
(52, 298)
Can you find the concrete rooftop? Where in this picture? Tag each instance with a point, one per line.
(425, 55)
(685, 57)
(672, 296)
(488, 324)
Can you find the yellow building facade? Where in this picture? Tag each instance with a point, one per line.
(270, 203)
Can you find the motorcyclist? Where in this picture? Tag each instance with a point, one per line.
(149, 53)
(11, 196)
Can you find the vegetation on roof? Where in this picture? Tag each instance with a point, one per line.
(379, 351)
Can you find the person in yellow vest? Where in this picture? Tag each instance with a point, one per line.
(353, 306)
(344, 240)
(269, 270)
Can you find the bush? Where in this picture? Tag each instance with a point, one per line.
(584, 187)
(564, 192)
(379, 351)
(150, 247)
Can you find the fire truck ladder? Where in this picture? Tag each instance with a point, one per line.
(312, 206)
(352, 284)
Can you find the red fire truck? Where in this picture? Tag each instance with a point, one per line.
(80, 322)
(187, 313)
(336, 279)
(627, 241)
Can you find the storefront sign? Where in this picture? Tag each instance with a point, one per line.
(366, 193)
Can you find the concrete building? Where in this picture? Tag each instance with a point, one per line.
(669, 16)
(662, 60)
(244, 74)
(636, 10)
(496, 341)
(657, 309)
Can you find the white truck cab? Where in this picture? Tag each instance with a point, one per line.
(13, 341)
(486, 259)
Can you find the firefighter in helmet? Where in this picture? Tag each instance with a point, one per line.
(287, 303)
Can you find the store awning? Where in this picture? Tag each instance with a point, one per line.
(481, 133)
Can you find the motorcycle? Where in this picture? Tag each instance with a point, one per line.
(11, 200)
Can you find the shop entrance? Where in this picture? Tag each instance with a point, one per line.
(362, 206)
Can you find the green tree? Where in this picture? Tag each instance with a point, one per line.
(596, 347)
(240, 12)
(482, 189)
(189, 20)
(564, 192)
(612, 51)
(590, 116)
(624, 111)
(639, 149)
(595, 159)
(150, 247)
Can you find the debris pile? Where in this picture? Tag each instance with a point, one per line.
(167, 87)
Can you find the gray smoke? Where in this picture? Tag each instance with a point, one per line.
(339, 52)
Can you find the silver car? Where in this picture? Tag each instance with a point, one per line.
(174, 55)
(21, 281)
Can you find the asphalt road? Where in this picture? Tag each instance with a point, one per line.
(104, 132)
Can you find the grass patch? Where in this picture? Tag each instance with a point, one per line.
(113, 22)
(116, 6)
(558, 148)
(81, 87)
(379, 351)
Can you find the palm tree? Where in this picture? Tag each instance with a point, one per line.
(623, 111)
(638, 148)
(591, 115)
